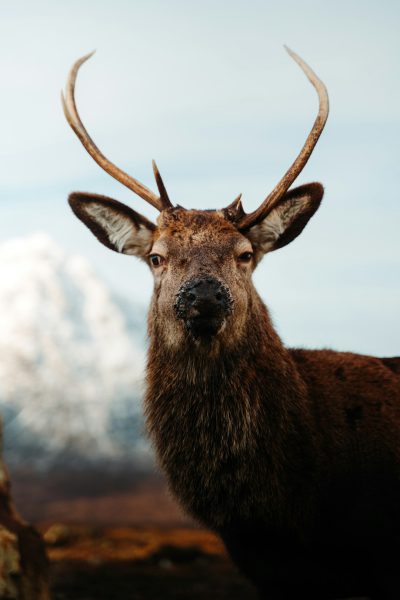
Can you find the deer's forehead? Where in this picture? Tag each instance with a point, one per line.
(190, 229)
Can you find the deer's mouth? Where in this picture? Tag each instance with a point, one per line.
(204, 327)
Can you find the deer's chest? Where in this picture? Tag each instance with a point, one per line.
(211, 458)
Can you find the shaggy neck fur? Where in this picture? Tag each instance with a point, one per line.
(229, 429)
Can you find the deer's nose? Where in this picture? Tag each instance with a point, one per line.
(205, 294)
(203, 303)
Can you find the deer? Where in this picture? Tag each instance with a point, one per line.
(291, 456)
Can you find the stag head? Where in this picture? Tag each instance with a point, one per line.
(202, 261)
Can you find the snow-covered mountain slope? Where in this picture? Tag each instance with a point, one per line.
(71, 370)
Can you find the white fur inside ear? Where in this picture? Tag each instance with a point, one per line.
(265, 235)
(121, 232)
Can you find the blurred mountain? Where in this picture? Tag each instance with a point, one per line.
(71, 362)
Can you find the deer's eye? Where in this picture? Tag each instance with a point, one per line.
(157, 260)
(245, 257)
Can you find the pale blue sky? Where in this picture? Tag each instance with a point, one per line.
(207, 89)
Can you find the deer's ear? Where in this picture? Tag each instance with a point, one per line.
(287, 220)
(114, 224)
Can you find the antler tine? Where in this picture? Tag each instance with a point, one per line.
(161, 187)
(234, 210)
(73, 118)
(246, 221)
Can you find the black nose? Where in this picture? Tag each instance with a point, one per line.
(203, 303)
(205, 295)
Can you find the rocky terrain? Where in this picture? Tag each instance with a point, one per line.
(24, 569)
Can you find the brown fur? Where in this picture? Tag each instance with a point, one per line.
(253, 435)
(293, 456)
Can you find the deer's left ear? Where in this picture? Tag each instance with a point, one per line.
(287, 220)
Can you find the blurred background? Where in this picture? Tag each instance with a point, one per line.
(206, 89)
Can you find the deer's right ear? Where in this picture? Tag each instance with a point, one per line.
(114, 224)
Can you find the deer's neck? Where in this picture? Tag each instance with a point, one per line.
(225, 426)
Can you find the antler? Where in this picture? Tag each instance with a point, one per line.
(71, 113)
(243, 220)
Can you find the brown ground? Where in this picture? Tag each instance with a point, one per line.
(127, 563)
(110, 540)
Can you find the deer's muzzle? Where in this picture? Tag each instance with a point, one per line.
(203, 304)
